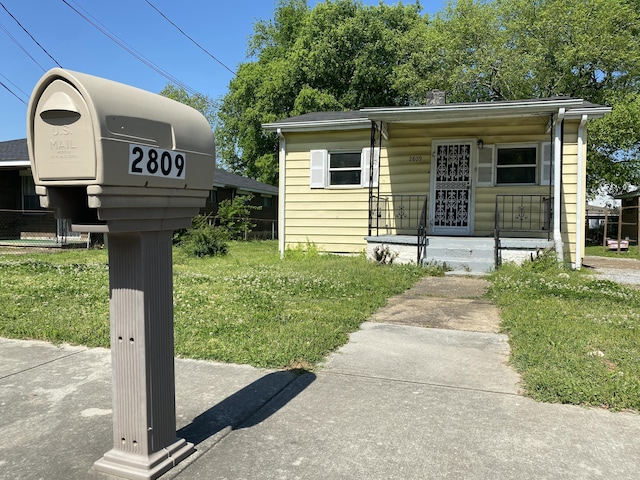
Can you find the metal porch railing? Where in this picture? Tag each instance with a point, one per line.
(397, 214)
(517, 214)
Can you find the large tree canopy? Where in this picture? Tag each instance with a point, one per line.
(343, 55)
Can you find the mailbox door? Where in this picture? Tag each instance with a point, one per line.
(64, 136)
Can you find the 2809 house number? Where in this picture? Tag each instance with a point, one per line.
(156, 162)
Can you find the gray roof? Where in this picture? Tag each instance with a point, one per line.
(222, 178)
(438, 113)
(14, 153)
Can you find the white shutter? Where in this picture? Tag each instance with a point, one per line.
(485, 166)
(366, 166)
(546, 174)
(318, 168)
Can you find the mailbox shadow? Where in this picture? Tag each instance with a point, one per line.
(248, 407)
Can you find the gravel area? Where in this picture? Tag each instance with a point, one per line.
(621, 270)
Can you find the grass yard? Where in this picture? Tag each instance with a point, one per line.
(598, 251)
(246, 307)
(574, 339)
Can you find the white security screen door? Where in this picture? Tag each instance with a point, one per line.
(451, 189)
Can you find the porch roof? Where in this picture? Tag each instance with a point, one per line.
(440, 113)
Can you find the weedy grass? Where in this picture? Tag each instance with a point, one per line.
(248, 307)
(574, 339)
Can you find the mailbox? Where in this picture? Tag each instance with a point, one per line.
(112, 158)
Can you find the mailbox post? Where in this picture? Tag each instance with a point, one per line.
(134, 165)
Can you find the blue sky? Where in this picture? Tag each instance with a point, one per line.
(221, 27)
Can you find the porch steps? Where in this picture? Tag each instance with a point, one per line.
(463, 255)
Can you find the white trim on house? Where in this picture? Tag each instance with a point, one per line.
(580, 206)
(557, 186)
(282, 191)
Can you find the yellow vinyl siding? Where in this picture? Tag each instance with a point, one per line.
(336, 218)
(569, 205)
(333, 218)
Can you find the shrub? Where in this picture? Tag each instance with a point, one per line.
(202, 239)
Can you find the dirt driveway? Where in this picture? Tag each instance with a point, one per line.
(622, 270)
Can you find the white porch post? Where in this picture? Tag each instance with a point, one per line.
(281, 191)
(580, 213)
(557, 184)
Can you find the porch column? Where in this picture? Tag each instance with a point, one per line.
(557, 185)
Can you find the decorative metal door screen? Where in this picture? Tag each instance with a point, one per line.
(452, 187)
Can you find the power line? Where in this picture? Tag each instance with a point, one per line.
(187, 36)
(12, 93)
(31, 36)
(16, 86)
(21, 47)
(122, 44)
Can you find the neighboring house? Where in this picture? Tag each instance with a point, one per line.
(454, 173)
(21, 214)
(227, 186)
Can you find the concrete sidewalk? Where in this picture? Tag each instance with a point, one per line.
(397, 402)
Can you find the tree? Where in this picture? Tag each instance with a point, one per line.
(202, 103)
(342, 55)
(339, 56)
(614, 149)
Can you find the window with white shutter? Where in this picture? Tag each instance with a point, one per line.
(546, 173)
(317, 167)
(343, 169)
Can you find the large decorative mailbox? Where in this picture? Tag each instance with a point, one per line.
(115, 159)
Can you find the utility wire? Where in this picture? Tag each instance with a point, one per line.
(114, 38)
(192, 40)
(15, 86)
(21, 47)
(12, 92)
(31, 36)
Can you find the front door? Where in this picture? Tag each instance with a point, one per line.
(451, 189)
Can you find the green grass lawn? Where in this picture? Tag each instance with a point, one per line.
(246, 307)
(599, 251)
(574, 339)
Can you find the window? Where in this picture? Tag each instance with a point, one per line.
(30, 200)
(516, 165)
(346, 169)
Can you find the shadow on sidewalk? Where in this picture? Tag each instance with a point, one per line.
(248, 407)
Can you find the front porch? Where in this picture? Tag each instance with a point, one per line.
(401, 231)
(463, 255)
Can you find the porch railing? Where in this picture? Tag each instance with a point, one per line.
(397, 214)
(515, 214)
(422, 233)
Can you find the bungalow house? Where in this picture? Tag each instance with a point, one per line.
(441, 182)
(22, 218)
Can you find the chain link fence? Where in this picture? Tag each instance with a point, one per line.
(39, 230)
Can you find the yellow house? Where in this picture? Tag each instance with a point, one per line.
(439, 182)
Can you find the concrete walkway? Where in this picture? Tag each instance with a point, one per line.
(399, 401)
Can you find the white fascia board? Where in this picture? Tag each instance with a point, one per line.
(595, 112)
(321, 125)
(468, 111)
(15, 163)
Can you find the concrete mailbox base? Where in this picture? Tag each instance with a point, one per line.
(142, 354)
